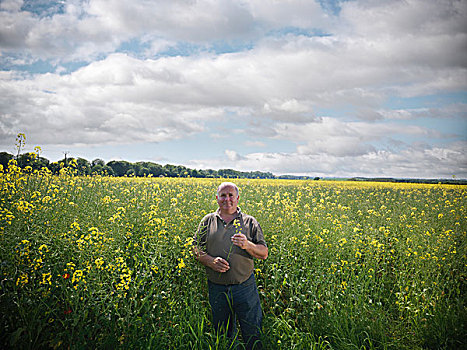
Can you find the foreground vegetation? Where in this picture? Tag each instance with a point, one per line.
(101, 262)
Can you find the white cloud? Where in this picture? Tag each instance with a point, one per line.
(373, 18)
(86, 29)
(232, 155)
(11, 5)
(298, 13)
(255, 144)
(281, 84)
(411, 163)
(118, 96)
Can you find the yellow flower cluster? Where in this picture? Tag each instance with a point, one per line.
(332, 245)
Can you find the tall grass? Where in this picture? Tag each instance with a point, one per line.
(98, 262)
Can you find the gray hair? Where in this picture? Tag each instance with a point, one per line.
(226, 184)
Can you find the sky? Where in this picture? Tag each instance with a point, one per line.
(371, 88)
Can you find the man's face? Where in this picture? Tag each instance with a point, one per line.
(227, 199)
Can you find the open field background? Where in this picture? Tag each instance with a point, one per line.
(101, 262)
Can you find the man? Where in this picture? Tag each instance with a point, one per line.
(226, 243)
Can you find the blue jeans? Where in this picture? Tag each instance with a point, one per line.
(229, 302)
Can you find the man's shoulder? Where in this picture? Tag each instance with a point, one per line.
(209, 216)
(247, 217)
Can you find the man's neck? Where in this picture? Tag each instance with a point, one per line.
(227, 216)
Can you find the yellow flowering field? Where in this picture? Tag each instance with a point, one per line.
(102, 262)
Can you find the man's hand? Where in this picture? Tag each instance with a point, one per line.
(220, 265)
(258, 251)
(240, 240)
(217, 264)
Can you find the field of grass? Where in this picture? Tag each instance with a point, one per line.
(99, 262)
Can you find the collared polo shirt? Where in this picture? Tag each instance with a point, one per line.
(214, 238)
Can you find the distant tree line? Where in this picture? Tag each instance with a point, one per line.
(84, 167)
(424, 181)
(123, 168)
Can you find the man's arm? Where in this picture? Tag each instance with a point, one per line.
(218, 264)
(257, 251)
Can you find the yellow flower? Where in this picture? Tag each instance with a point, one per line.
(181, 264)
(99, 262)
(77, 276)
(46, 278)
(22, 279)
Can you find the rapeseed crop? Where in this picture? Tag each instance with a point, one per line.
(99, 262)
